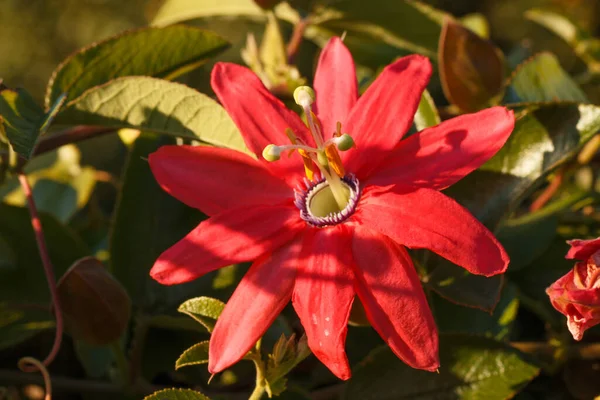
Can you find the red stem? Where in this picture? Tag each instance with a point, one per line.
(48, 270)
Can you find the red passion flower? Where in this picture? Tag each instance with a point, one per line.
(323, 220)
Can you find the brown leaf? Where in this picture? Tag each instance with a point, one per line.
(95, 306)
(471, 68)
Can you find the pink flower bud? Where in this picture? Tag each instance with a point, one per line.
(577, 294)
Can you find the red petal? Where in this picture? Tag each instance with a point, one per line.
(389, 288)
(335, 85)
(239, 235)
(385, 113)
(425, 218)
(440, 156)
(582, 249)
(260, 116)
(259, 298)
(323, 296)
(188, 173)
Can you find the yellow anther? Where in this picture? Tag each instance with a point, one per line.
(335, 162)
(310, 169)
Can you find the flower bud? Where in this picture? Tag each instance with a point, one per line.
(344, 142)
(271, 153)
(304, 96)
(577, 294)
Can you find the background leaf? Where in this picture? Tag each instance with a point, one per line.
(471, 68)
(155, 105)
(95, 306)
(542, 79)
(27, 283)
(472, 367)
(147, 222)
(160, 52)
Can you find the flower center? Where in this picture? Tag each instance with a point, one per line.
(322, 160)
(318, 205)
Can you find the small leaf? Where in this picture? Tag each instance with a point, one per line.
(427, 114)
(155, 105)
(180, 48)
(471, 68)
(95, 306)
(542, 79)
(195, 355)
(176, 394)
(471, 367)
(22, 119)
(205, 310)
(477, 23)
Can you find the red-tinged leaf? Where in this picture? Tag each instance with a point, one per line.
(96, 308)
(471, 68)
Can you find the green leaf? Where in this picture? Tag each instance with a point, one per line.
(205, 310)
(477, 23)
(176, 394)
(412, 27)
(472, 367)
(451, 318)
(60, 185)
(160, 52)
(27, 282)
(471, 68)
(95, 307)
(195, 355)
(147, 221)
(173, 11)
(427, 113)
(383, 29)
(542, 79)
(18, 325)
(155, 105)
(544, 137)
(582, 42)
(25, 121)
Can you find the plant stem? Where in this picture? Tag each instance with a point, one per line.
(260, 388)
(296, 39)
(48, 270)
(72, 135)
